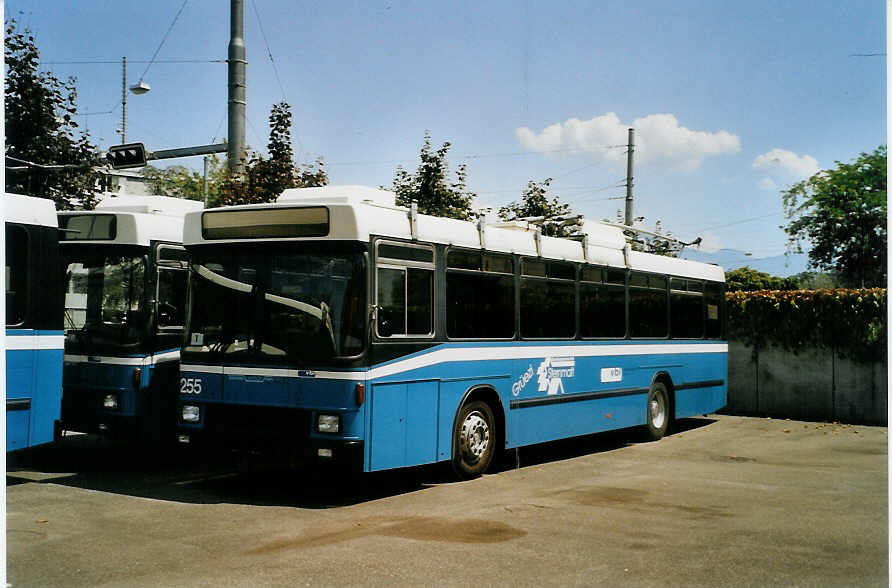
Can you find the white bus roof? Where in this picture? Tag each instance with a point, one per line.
(29, 210)
(358, 213)
(139, 219)
(163, 205)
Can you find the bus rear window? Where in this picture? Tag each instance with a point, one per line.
(16, 274)
(88, 227)
(266, 223)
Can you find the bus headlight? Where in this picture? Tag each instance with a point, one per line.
(111, 402)
(191, 413)
(328, 423)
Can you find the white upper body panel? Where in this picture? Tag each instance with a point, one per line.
(163, 205)
(140, 219)
(358, 213)
(29, 210)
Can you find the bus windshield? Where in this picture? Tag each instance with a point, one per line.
(104, 300)
(277, 303)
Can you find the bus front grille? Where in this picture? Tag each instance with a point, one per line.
(257, 427)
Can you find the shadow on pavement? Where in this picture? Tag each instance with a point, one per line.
(598, 443)
(177, 475)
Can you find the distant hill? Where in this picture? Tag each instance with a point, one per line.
(778, 265)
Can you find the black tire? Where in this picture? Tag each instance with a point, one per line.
(659, 411)
(474, 440)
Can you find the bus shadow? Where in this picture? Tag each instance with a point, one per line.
(87, 462)
(565, 449)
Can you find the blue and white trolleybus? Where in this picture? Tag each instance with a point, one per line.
(335, 325)
(125, 292)
(34, 336)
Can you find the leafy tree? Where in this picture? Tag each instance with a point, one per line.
(658, 243)
(817, 280)
(184, 182)
(841, 214)
(266, 178)
(557, 217)
(40, 129)
(429, 186)
(746, 279)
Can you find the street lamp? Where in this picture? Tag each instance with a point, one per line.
(140, 88)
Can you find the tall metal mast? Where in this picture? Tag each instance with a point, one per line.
(237, 63)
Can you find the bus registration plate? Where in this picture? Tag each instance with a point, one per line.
(614, 374)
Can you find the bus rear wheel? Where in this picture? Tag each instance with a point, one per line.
(658, 411)
(474, 440)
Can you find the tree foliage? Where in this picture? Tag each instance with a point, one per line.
(40, 128)
(184, 182)
(661, 242)
(746, 279)
(267, 177)
(841, 214)
(557, 218)
(851, 322)
(817, 280)
(430, 186)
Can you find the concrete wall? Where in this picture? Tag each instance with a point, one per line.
(812, 385)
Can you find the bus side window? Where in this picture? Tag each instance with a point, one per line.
(479, 295)
(648, 306)
(714, 297)
(602, 303)
(547, 299)
(686, 308)
(16, 274)
(405, 290)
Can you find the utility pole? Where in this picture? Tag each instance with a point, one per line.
(124, 101)
(204, 186)
(629, 201)
(237, 63)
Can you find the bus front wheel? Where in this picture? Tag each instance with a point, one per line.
(474, 440)
(658, 415)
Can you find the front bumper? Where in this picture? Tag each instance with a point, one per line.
(281, 435)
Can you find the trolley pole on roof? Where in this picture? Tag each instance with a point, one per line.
(629, 201)
(237, 63)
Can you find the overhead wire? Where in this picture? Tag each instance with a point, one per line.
(164, 39)
(268, 51)
(739, 222)
(105, 61)
(488, 155)
(516, 153)
(276, 73)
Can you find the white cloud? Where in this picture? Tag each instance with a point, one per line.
(768, 184)
(786, 164)
(658, 137)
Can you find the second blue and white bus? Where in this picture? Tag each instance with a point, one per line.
(125, 292)
(334, 325)
(34, 336)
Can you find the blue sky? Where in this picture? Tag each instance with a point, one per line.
(731, 101)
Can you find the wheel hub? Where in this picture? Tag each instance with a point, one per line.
(657, 411)
(474, 436)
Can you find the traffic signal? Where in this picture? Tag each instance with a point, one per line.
(126, 156)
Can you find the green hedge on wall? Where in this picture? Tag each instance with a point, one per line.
(853, 322)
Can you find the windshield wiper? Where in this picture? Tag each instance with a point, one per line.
(320, 312)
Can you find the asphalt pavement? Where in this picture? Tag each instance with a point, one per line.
(724, 501)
